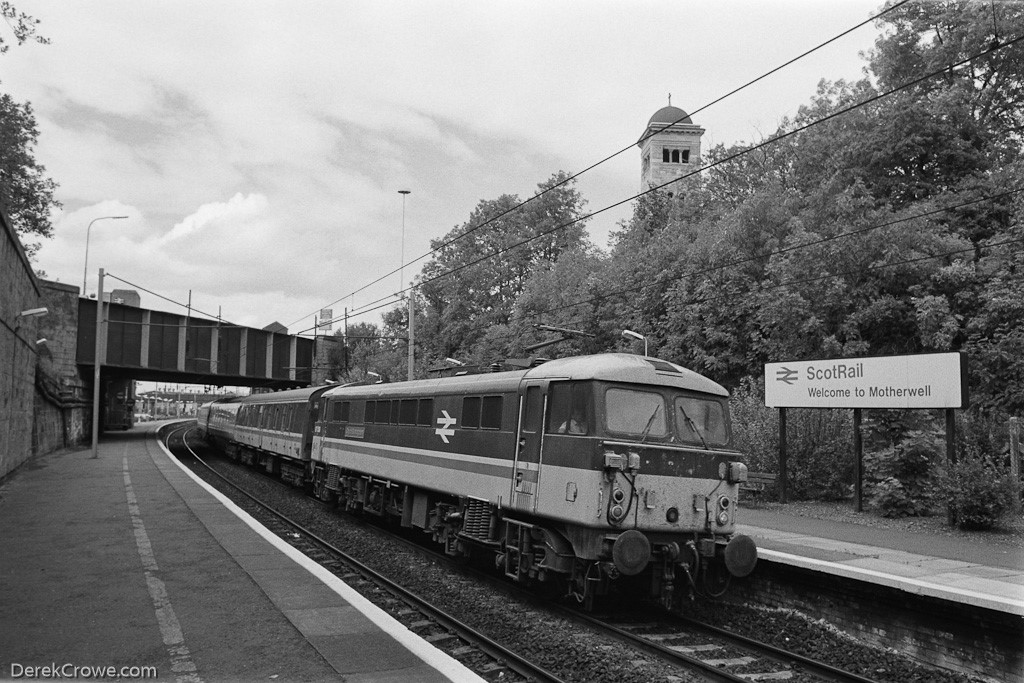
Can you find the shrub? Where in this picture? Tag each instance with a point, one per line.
(892, 500)
(978, 492)
(819, 444)
(903, 447)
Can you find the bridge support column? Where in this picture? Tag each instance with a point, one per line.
(293, 346)
(182, 342)
(144, 346)
(214, 348)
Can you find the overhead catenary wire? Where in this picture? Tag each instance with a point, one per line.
(783, 250)
(778, 252)
(881, 266)
(594, 165)
(782, 136)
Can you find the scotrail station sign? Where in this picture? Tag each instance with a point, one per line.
(934, 380)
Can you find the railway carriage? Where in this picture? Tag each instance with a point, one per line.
(274, 431)
(216, 421)
(579, 471)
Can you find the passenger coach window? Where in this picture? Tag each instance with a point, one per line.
(490, 417)
(637, 413)
(569, 408)
(371, 411)
(471, 412)
(425, 416)
(407, 412)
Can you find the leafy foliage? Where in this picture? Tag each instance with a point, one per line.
(979, 492)
(26, 194)
(903, 462)
(23, 26)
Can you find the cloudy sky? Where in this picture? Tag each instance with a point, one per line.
(258, 147)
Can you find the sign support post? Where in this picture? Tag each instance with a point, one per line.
(858, 468)
(950, 455)
(1015, 461)
(783, 483)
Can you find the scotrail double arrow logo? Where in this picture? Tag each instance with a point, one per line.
(786, 375)
(445, 430)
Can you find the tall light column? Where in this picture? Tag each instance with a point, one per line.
(88, 231)
(401, 283)
(97, 363)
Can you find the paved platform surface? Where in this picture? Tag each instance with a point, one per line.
(975, 571)
(126, 561)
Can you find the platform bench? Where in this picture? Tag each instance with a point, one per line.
(757, 481)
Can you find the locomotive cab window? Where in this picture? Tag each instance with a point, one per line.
(569, 408)
(635, 413)
(701, 421)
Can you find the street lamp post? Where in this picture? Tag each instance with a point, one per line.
(636, 335)
(85, 270)
(401, 284)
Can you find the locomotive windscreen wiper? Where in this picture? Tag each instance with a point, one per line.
(693, 426)
(650, 423)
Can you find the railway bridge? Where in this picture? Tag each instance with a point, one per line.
(150, 345)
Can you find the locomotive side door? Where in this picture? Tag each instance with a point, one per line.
(529, 446)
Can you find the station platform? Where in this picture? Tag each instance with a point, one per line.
(972, 570)
(126, 561)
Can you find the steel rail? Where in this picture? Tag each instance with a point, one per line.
(521, 666)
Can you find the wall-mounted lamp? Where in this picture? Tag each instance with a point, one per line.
(34, 312)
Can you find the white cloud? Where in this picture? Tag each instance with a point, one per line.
(258, 146)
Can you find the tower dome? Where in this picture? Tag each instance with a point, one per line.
(667, 116)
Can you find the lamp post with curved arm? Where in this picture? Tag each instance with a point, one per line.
(636, 335)
(85, 269)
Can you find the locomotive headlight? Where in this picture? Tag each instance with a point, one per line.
(618, 495)
(723, 510)
(616, 513)
(735, 472)
(672, 515)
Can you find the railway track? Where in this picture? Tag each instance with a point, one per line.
(721, 655)
(475, 650)
(686, 647)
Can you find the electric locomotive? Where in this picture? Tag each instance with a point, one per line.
(586, 473)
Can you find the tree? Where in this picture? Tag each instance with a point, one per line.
(480, 269)
(26, 194)
(923, 37)
(23, 26)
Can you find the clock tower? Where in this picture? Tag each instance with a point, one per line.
(669, 148)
